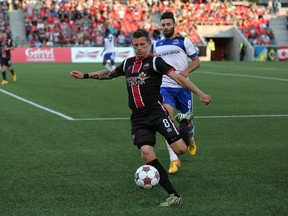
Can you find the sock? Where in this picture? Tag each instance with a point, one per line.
(186, 132)
(107, 67)
(172, 154)
(12, 72)
(164, 180)
(113, 67)
(191, 132)
(4, 75)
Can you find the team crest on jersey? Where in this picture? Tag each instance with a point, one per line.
(146, 66)
(142, 76)
(176, 41)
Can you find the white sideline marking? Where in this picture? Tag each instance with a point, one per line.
(243, 116)
(37, 105)
(116, 119)
(246, 76)
(196, 117)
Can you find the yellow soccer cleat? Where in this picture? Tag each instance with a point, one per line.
(192, 148)
(173, 168)
(4, 82)
(14, 78)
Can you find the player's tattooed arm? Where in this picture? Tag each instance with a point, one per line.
(100, 75)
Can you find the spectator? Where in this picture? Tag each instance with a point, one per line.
(16, 41)
(121, 40)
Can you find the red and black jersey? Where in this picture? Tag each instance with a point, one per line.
(5, 44)
(143, 79)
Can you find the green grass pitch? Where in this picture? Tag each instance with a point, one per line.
(65, 145)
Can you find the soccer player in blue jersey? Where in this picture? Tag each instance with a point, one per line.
(143, 75)
(109, 50)
(176, 50)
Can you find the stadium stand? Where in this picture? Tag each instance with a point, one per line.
(82, 22)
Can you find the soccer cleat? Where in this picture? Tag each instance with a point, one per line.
(192, 148)
(14, 77)
(173, 168)
(180, 116)
(4, 82)
(172, 200)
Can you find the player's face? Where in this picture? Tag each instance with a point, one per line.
(167, 27)
(141, 47)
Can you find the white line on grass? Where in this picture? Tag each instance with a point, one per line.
(116, 119)
(246, 76)
(234, 66)
(200, 117)
(37, 105)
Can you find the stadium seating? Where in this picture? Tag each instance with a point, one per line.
(68, 23)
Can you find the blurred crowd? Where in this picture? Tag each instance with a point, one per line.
(83, 22)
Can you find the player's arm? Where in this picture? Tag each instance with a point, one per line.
(191, 51)
(191, 86)
(100, 75)
(191, 67)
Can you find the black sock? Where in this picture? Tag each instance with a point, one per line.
(4, 75)
(164, 181)
(184, 131)
(12, 72)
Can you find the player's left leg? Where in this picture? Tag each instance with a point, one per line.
(112, 58)
(14, 78)
(169, 104)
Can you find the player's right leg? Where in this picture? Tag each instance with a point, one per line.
(150, 158)
(14, 78)
(107, 66)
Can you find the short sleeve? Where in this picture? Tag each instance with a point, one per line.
(190, 48)
(162, 67)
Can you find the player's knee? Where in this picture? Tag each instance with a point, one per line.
(182, 149)
(179, 147)
(147, 153)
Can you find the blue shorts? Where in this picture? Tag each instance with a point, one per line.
(109, 56)
(179, 98)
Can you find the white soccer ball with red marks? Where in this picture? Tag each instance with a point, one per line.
(147, 177)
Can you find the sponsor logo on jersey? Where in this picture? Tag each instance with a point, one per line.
(137, 80)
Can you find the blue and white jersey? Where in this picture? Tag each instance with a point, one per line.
(175, 52)
(109, 44)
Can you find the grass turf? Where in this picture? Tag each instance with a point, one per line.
(53, 166)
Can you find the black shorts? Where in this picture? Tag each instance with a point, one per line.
(6, 62)
(146, 124)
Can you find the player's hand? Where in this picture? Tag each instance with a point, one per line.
(206, 99)
(77, 74)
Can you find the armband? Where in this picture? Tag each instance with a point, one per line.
(86, 76)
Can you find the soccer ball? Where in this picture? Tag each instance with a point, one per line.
(147, 177)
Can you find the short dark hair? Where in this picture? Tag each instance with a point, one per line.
(156, 31)
(141, 33)
(168, 15)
